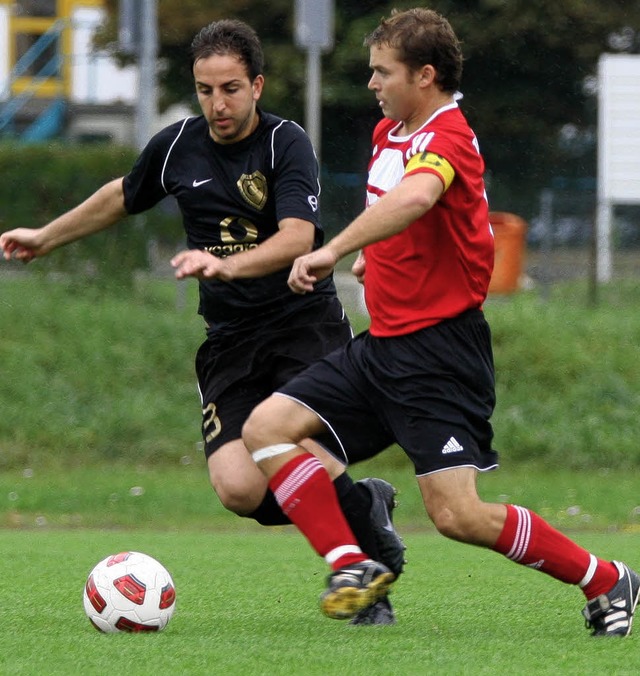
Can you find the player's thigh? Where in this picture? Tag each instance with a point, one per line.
(337, 391)
(228, 397)
(235, 477)
(280, 419)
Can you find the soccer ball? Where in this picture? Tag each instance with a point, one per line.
(129, 591)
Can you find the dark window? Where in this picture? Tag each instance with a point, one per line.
(40, 55)
(36, 8)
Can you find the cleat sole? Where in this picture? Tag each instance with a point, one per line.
(346, 602)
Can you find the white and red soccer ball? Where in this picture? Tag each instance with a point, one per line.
(130, 592)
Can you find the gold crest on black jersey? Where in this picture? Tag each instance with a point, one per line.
(253, 188)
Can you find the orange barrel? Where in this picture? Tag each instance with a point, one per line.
(509, 233)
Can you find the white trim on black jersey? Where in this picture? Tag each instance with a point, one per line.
(273, 143)
(166, 159)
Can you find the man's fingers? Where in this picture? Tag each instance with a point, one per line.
(178, 258)
(17, 252)
(195, 263)
(300, 281)
(187, 269)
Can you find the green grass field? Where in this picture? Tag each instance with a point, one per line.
(99, 453)
(247, 604)
(247, 595)
(89, 373)
(120, 496)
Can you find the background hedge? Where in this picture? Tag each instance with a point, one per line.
(40, 182)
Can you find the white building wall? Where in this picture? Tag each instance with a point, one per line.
(4, 51)
(95, 76)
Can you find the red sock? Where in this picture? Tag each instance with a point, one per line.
(528, 539)
(306, 495)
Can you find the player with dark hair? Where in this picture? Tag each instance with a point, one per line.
(423, 374)
(246, 183)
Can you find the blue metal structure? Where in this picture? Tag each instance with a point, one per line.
(49, 122)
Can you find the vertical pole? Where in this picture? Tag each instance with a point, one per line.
(546, 245)
(313, 110)
(146, 105)
(603, 240)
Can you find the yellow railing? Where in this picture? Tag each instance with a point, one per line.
(48, 85)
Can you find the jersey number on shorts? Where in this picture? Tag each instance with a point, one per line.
(210, 422)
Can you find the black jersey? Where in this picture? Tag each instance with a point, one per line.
(232, 197)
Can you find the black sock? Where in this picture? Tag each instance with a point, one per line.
(355, 500)
(268, 512)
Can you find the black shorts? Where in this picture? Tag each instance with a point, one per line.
(432, 392)
(237, 371)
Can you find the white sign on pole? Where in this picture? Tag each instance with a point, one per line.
(314, 33)
(314, 24)
(618, 146)
(619, 127)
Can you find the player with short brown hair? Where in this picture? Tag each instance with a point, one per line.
(423, 375)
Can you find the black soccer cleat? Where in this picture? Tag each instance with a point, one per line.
(352, 588)
(391, 548)
(612, 614)
(380, 613)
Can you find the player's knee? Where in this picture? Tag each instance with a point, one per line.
(264, 426)
(453, 523)
(277, 423)
(234, 496)
(445, 522)
(234, 500)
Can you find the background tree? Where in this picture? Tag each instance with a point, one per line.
(526, 73)
(527, 70)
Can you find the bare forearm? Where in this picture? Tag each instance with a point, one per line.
(295, 238)
(391, 214)
(370, 226)
(277, 252)
(104, 208)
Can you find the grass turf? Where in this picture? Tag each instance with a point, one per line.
(106, 495)
(247, 604)
(247, 595)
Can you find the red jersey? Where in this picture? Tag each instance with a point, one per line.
(441, 264)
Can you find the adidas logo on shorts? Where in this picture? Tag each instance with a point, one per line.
(452, 446)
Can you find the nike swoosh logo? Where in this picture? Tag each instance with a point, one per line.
(197, 183)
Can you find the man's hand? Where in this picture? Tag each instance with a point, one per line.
(22, 244)
(311, 268)
(358, 267)
(202, 265)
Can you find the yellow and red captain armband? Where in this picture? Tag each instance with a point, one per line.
(435, 163)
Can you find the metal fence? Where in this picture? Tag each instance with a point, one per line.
(561, 242)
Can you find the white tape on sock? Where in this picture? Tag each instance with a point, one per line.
(338, 552)
(588, 576)
(271, 451)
